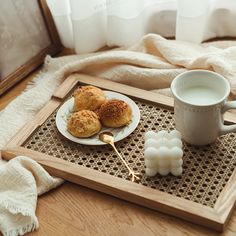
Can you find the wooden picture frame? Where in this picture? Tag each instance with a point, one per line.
(215, 217)
(54, 47)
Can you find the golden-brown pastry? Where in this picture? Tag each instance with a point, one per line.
(88, 98)
(83, 124)
(115, 113)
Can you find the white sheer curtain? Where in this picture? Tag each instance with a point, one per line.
(87, 25)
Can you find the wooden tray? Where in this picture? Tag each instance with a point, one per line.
(204, 194)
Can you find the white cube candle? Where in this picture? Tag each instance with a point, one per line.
(151, 143)
(163, 153)
(151, 172)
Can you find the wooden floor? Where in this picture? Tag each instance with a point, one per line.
(75, 210)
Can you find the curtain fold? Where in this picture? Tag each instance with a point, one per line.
(192, 17)
(125, 22)
(61, 16)
(87, 26)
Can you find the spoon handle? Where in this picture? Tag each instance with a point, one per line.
(131, 172)
(114, 147)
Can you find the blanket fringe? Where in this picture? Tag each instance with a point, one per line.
(15, 209)
(22, 230)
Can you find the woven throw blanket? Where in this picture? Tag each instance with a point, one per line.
(21, 181)
(151, 64)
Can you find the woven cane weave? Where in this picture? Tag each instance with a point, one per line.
(206, 169)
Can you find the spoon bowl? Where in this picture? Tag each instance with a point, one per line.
(106, 137)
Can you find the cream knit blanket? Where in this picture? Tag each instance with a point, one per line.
(154, 62)
(21, 181)
(150, 64)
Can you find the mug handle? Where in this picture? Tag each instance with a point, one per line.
(225, 129)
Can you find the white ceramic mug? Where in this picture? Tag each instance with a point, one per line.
(199, 104)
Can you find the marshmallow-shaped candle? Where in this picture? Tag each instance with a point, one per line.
(163, 153)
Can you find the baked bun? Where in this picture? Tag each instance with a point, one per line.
(83, 124)
(88, 98)
(115, 113)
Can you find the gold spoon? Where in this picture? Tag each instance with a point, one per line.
(107, 137)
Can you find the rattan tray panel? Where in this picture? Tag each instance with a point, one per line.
(206, 169)
(205, 194)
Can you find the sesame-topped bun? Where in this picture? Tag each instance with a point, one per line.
(83, 124)
(88, 98)
(115, 113)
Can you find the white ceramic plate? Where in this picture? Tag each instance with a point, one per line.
(119, 133)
